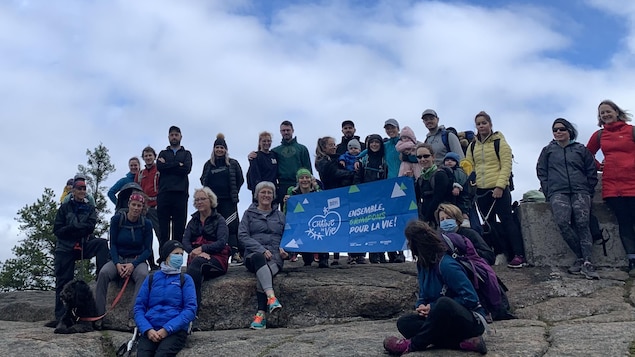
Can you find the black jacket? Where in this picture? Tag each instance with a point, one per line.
(236, 178)
(173, 174)
(74, 221)
(569, 169)
(332, 174)
(343, 146)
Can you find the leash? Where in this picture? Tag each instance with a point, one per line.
(114, 303)
(480, 212)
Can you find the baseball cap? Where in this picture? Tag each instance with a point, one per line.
(392, 122)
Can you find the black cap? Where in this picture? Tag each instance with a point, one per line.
(167, 248)
(348, 122)
(174, 128)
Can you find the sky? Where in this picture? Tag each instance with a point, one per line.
(74, 74)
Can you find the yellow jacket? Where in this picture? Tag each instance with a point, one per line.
(490, 172)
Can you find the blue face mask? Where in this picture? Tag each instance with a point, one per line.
(448, 225)
(176, 261)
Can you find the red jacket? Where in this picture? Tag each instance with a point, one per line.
(148, 178)
(618, 146)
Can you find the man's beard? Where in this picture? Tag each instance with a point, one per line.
(175, 142)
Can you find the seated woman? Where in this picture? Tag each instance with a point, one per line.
(260, 231)
(165, 305)
(130, 247)
(448, 313)
(306, 184)
(449, 218)
(205, 240)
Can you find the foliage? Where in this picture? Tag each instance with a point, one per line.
(32, 268)
(97, 170)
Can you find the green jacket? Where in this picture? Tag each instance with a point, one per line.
(291, 157)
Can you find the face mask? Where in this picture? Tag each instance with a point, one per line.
(176, 260)
(448, 225)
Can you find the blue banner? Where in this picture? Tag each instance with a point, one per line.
(370, 217)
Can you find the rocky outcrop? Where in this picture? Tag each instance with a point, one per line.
(348, 311)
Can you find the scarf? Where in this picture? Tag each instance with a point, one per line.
(427, 173)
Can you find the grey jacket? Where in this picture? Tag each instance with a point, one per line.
(258, 232)
(569, 169)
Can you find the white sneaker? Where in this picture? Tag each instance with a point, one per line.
(501, 259)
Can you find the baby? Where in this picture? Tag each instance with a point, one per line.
(348, 159)
(451, 160)
(405, 146)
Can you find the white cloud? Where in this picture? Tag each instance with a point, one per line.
(121, 72)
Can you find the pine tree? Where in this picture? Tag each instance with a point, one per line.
(32, 268)
(97, 170)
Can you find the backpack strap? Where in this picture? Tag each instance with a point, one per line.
(600, 135)
(444, 139)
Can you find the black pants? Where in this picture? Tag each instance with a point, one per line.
(512, 241)
(229, 210)
(447, 324)
(65, 266)
(624, 210)
(201, 269)
(171, 209)
(169, 346)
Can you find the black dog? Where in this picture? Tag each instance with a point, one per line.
(79, 302)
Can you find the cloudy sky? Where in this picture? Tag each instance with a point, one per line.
(77, 73)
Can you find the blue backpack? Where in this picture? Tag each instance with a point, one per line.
(490, 289)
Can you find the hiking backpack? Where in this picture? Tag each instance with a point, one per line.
(489, 288)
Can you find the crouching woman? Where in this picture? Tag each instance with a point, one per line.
(448, 313)
(165, 305)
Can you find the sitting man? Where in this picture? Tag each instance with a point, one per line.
(74, 225)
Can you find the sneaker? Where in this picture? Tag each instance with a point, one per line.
(631, 268)
(475, 344)
(360, 260)
(236, 260)
(501, 259)
(351, 260)
(323, 264)
(294, 257)
(576, 267)
(518, 262)
(335, 262)
(588, 270)
(52, 324)
(396, 346)
(260, 322)
(273, 304)
(400, 259)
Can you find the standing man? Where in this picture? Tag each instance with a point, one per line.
(442, 140)
(74, 225)
(148, 179)
(292, 156)
(174, 164)
(348, 129)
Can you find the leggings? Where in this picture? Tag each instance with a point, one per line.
(571, 212)
(265, 271)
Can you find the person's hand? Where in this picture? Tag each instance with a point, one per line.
(196, 252)
(408, 173)
(163, 333)
(125, 269)
(456, 191)
(356, 165)
(252, 155)
(267, 254)
(154, 336)
(283, 254)
(498, 193)
(423, 310)
(162, 160)
(285, 198)
(205, 256)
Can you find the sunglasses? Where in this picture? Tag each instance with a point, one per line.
(555, 130)
(424, 156)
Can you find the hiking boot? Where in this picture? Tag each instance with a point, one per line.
(396, 346)
(360, 260)
(400, 259)
(518, 262)
(260, 322)
(382, 258)
(475, 344)
(335, 262)
(323, 264)
(273, 304)
(351, 261)
(588, 270)
(576, 267)
(52, 324)
(236, 260)
(294, 257)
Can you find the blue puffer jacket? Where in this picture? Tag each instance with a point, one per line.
(168, 305)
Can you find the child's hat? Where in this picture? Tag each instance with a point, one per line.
(354, 144)
(453, 156)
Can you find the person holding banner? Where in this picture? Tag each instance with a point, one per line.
(306, 184)
(260, 231)
(448, 313)
(332, 176)
(433, 186)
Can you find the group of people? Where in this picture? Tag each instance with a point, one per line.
(451, 181)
